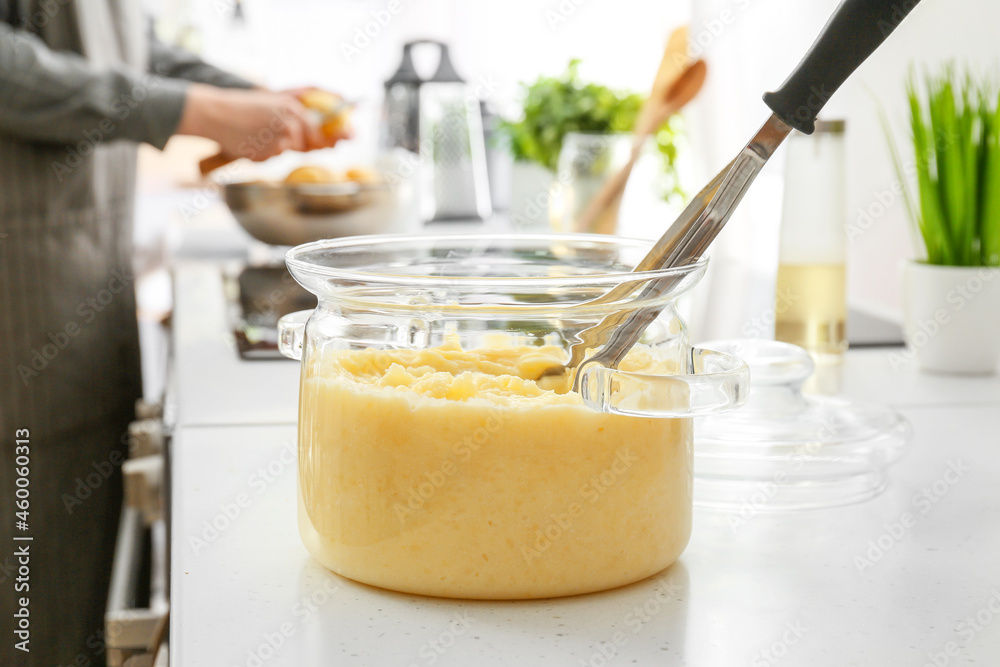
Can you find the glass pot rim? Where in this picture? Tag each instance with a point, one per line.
(455, 282)
(302, 262)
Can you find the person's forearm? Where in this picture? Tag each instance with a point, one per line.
(255, 124)
(200, 117)
(57, 96)
(176, 63)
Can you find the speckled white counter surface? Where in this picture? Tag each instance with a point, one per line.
(910, 578)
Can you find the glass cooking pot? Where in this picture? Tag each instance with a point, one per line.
(435, 459)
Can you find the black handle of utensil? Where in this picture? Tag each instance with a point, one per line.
(852, 34)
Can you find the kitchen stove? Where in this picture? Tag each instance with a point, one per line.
(257, 296)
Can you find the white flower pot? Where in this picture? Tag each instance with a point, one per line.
(951, 317)
(529, 197)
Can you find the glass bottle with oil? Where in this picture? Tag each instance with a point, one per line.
(810, 300)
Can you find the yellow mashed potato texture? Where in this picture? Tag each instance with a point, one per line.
(455, 473)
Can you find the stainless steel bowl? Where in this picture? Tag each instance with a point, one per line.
(283, 214)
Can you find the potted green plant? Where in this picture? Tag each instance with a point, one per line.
(951, 295)
(554, 107)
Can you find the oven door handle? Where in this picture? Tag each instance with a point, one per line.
(130, 630)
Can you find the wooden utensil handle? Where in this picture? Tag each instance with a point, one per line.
(611, 189)
(213, 162)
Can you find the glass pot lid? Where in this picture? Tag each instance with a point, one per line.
(785, 450)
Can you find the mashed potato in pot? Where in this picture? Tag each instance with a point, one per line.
(453, 473)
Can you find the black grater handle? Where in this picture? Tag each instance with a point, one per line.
(407, 73)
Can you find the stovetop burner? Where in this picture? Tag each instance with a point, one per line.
(258, 296)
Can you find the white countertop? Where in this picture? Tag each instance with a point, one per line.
(790, 583)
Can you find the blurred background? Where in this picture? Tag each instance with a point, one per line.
(473, 117)
(353, 46)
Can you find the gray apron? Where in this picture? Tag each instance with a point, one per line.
(69, 357)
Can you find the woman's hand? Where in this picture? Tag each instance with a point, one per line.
(255, 124)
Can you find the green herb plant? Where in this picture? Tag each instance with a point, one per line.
(955, 128)
(555, 106)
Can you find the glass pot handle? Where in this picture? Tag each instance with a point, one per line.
(291, 333)
(719, 382)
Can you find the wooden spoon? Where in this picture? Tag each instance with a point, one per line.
(673, 63)
(681, 91)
